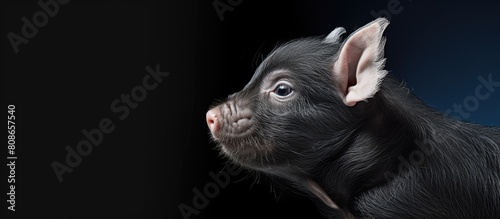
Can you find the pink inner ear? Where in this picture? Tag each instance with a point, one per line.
(359, 67)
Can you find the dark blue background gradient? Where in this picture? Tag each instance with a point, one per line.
(439, 48)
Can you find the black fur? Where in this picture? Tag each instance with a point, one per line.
(389, 157)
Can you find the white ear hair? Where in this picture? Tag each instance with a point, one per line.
(334, 36)
(359, 69)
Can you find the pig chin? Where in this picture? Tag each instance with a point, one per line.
(245, 151)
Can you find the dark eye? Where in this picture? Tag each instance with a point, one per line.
(283, 90)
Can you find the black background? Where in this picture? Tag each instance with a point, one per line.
(65, 78)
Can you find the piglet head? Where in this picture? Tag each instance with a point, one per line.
(297, 110)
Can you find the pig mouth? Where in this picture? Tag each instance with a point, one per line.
(234, 130)
(247, 148)
(235, 135)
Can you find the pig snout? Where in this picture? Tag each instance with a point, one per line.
(229, 120)
(213, 121)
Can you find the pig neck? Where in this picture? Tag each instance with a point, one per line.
(391, 125)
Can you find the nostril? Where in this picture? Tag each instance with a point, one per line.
(212, 121)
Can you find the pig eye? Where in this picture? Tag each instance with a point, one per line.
(283, 90)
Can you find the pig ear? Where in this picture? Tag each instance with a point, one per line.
(359, 67)
(315, 189)
(335, 35)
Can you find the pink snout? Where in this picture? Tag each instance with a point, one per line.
(213, 122)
